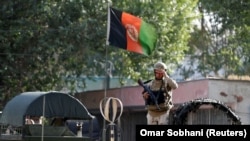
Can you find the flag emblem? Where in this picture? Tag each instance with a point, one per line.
(132, 32)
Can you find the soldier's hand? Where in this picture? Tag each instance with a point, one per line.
(145, 95)
(165, 74)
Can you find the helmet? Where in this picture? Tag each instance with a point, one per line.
(160, 65)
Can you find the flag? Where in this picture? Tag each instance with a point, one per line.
(129, 32)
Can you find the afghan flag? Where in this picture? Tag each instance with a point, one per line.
(129, 32)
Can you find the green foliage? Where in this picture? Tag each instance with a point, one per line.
(222, 41)
(42, 42)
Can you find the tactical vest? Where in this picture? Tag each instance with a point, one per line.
(159, 95)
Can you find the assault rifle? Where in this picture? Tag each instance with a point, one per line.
(152, 96)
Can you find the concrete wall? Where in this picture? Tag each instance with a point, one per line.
(235, 93)
(189, 90)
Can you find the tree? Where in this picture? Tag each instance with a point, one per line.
(221, 42)
(43, 41)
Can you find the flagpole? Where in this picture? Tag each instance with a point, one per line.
(105, 93)
(106, 75)
(43, 117)
(108, 24)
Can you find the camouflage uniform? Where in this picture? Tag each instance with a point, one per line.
(162, 89)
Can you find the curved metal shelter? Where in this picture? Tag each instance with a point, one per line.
(47, 104)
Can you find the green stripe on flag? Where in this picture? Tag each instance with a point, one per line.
(147, 37)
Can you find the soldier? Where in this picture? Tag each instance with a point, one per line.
(161, 87)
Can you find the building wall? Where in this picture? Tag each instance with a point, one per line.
(131, 95)
(189, 90)
(233, 93)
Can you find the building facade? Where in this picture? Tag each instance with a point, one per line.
(232, 94)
